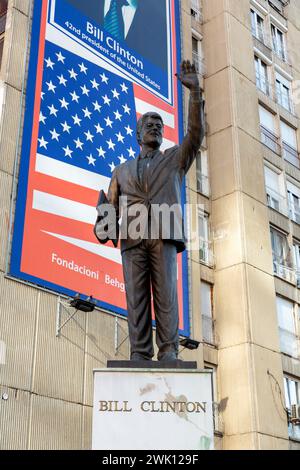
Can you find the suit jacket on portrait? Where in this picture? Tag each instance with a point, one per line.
(148, 32)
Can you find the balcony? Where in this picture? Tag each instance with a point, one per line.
(206, 253)
(276, 201)
(283, 271)
(260, 41)
(203, 185)
(270, 140)
(290, 154)
(208, 330)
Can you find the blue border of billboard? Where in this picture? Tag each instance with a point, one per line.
(16, 252)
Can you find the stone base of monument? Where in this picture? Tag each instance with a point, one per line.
(152, 408)
(178, 364)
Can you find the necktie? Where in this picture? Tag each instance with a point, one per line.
(113, 21)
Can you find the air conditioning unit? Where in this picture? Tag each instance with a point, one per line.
(295, 414)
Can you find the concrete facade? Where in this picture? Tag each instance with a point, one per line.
(46, 382)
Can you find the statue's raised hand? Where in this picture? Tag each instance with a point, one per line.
(188, 75)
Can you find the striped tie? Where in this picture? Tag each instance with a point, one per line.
(113, 21)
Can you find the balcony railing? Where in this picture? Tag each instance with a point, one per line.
(203, 185)
(206, 253)
(276, 201)
(290, 154)
(270, 140)
(208, 329)
(285, 272)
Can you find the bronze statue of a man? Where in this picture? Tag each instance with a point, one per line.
(150, 262)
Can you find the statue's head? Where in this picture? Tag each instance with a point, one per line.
(149, 131)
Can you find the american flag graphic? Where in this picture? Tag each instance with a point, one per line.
(84, 126)
(87, 127)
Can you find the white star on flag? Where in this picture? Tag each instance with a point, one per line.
(89, 136)
(54, 135)
(104, 78)
(74, 96)
(99, 129)
(94, 84)
(85, 90)
(76, 120)
(106, 100)
(60, 57)
(101, 152)
(112, 166)
(53, 110)
(91, 160)
(66, 127)
(68, 151)
(62, 80)
(83, 68)
(73, 74)
(124, 88)
(49, 63)
(64, 103)
(43, 142)
(78, 143)
(87, 113)
(42, 118)
(51, 86)
(97, 106)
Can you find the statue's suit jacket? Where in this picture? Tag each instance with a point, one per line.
(165, 178)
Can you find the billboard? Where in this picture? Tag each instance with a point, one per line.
(90, 78)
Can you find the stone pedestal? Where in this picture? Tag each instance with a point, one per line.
(152, 409)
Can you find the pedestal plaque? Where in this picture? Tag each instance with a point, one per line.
(152, 409)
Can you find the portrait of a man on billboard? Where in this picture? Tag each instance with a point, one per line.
(140, 24)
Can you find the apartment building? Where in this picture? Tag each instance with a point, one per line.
(244, 278)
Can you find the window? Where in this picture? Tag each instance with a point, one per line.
(278, 42)
(202, 173)
(197, 55)
(273, 189)
(296, 249)
(262, 81)
(283, 92)
(268, 131)
(3, 10)
(287, 327)
(289, 144)
(257, 26)
(207, 313)
(282, 263)
(292, 400)
(195, 10)
(218, 421)
(205, 250)
(294, 201)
